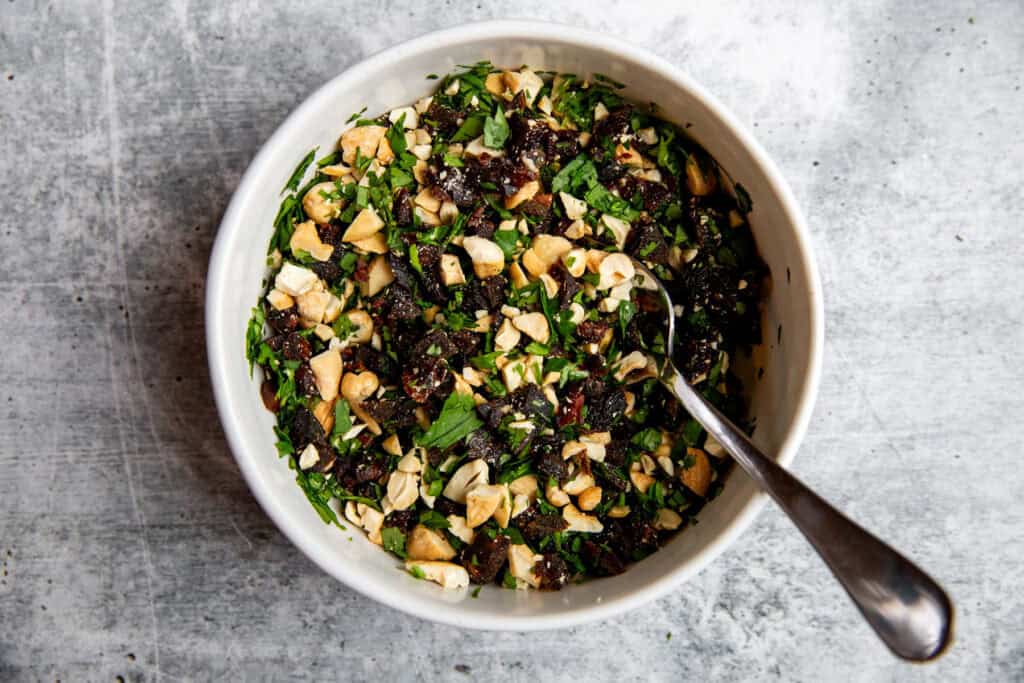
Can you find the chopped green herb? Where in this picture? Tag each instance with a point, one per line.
(393, 540)
(457, 419)
(293, 182)
(496, 130)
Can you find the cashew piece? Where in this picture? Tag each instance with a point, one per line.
(326, 367)
(427, 544)
(488, 258)
(447, 574)
(474, 473)
(319, 208)
(356, 387)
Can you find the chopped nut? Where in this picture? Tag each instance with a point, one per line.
(549, 249)
(503, 513)
(534, 264)
(488, 258)
(324, 414)
(534, 325)
(313, 305)
(373, 520)
(519, 279)
(628, 156)
(648, 136)
(451, 271)
(615, 269)
(353, 514)
(525, 485)
(419, 171)
(279, 300)
(460, 529)
(482, 502)
(524, 193)
(580, 522)
(577, 230)
(428, 218)
(411, 119)
(366, 139)
(409, 462)
(378, 276)
(467, 477)
(356, 387)
(514, 375)
(665, 462)
(295, 280)
(524, 81)
(589, 498)
(428, 201)
(385, 155)
(323, 332)
(306, 238)
(521, 561)
(309, 457)
(578, 484)
(667, 520)
(366, 223)
(507, 337)
(363, 323)
(551, 285)
(619, 228)
(575, 261)
(619, 511)
(574, 208)
(712, 447)
(392, 446)
(403, 489)
(697, 477)
(555, 495)
(374, 244)
(635, 360)
(519, 504)
(326, 367)
(448, 575)
(495, 84)
(477, 148)
(427, 544)
(449, 213)
(697, 180)
(641, 481)
(338, 171)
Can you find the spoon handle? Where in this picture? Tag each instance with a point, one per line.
(907, 609)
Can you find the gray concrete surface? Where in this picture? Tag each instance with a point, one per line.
(129, 547)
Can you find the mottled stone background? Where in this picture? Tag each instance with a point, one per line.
(130, 547)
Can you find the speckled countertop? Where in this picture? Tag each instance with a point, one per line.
(129, 546)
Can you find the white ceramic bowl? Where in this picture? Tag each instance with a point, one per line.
(782, 400)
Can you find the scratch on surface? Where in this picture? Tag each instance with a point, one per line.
(852, 373)
(114, 130)
(191, 45)
(244, 537)
(711, 595)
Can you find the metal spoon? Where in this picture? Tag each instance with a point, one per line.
(907, 609)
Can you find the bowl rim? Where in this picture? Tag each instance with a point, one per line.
(451, 613)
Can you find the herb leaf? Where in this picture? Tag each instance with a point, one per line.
(293, 183)
(393, 540)
(470, 128)
(457, 419)
(496, 130)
